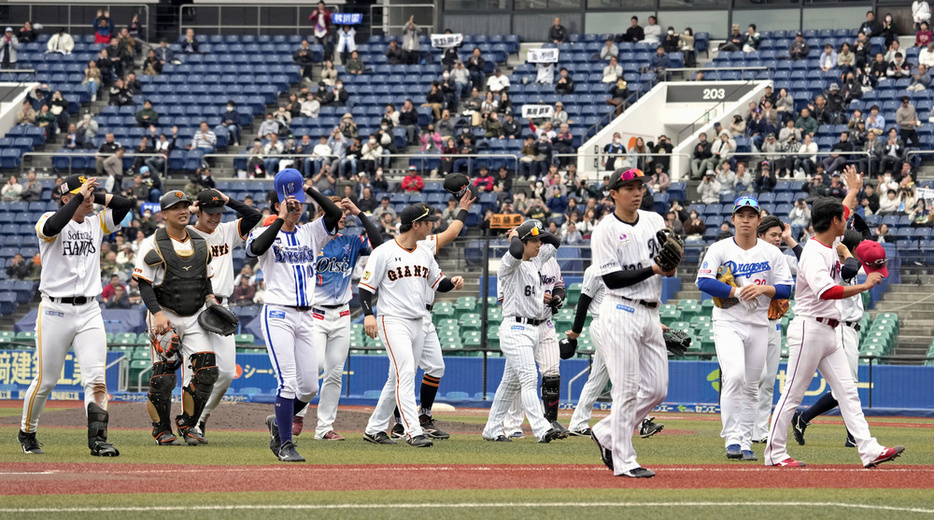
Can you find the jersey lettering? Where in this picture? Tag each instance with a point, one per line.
(406, 272)
(749, 269)
(293, 254)
(654, 247)
(78, 248)
(327, 264)
(220, 250)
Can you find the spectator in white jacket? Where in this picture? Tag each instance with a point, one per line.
(727, 178)
(346, 43)
(926, 56)
(920, 13)
(723, 148)
(61, 42)
(653, 32)
(709, 188)
(807, 162)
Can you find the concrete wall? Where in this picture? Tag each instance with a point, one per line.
(12, 106)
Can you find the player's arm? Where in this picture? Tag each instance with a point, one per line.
(457, 225)
(57, 222)
(791, 242)
(160, 323)
(332, 213)
(121, 206)
(369, 283)
(249, 217)
(262, 243)
(449, 284)
(850, 267)
(580, 317)
(854, 182)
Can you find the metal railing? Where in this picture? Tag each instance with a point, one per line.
(39, 11)
(301, 25)
(707, 115)
(609, 116)
(91, 154)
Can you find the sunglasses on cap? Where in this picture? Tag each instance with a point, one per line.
(745, 202)
(631, 174)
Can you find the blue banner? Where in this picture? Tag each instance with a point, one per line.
(347, 18)
(19, 367)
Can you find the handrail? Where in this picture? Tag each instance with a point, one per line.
(716, 106)
(42, 9)
(301, 23)
(600, 154)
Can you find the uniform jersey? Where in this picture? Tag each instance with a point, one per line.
(593, 287)
(289, 265)
(403, 277)
(156, 274)
(551, 278)
(430, 242)
(818, 271)
(334, 268)
(852, 308)
(520, 285)
(73, 255)
(221, 243)
(763, 264)
(620, 246)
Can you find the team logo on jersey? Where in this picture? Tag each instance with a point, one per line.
(366, 275)
(624, 239)
(749, 269)
(626, 308)
(78, 243)
(293, 254)
(416, 271)
(277, 315)
(220, 250)
(327, 264)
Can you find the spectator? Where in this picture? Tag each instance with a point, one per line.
(612, 72)
(164, 53)
(304, 58)
(874, 146)
(920, 13)
(652, 31)
(347, 44)
(727, 178)
(144, 148)
(328, 73)
(410, 42)
(388, 227)
(882, 234)
(102, 27)
(370, 155)
(800, 217)
(893, 152)
(113, 168)
(835, 161)
(672, 41)
(462, 78)
(889, 31)
(799, 48)
(723, 149)
(828, 58)
(751, 39)
(725, 231)
(659, 179)
(570, 234)
(694, 227)
(738, 126)
(610, 50)
(12, 190)
(498, 82)
(734, 41)
(926, 56)
(920, 215)
(920, 80)
(852, 89)
(323, 156)
(26, 116)
(467, 149)
(73, 139)
(119, 299)
(875, 122)
(119, 95)
(147, 116)
(92, 80)
(243, 293)
(408, 120)
(634, 33)
(394, 54)
(27, 34)
(638, 155)
(868, 200)
(321, 28)
(60, 43)
(700, 163)
(355, 65)
(836, 190)
(879, 68)
(619, 93)
(907, 120)
(190, 43)
(924, 36)
(687, 48)
(660, 64)
(674, 223)
(269, 126)
(898, 68)
(870, 27)
(745, 180)
(565, 84)
(807, 124)
(805, 163)
(785, 104)
(765, 181)
(204, 139)
(337, 96)
(846, 60)
(18, 269)
(413, 182)
(32, 191)
(557, 33)
(889, 203)
(152, 65)
(271, 153)
(861, 49)
(557, 203)
(661, 152)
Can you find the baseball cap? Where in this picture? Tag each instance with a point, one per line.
(144, 170)
(711, 173)
(765, 164)
(417, 213)
(72, 184)
(622, 176)
(412, 168)
(834, 86)
(872, 255)
(797, 33)
(745, 202)
(8, 29)
(289, 182)
(211, 202)
(531, 228)
(173, 198)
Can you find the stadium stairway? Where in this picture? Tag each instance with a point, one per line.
(914, 304)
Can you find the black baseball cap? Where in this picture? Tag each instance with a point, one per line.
(623, 176)
(211, 202)
(417, 213)
(72, 184)
(172, 198)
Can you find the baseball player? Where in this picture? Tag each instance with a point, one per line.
(522, 290)
(334, 266)
(852, 310)
(69, 241)
(774, 232)
(592, 291)
(287, 253)
(222, 239)
(740, 326)
(813, 339)
(631, 343)
(174, 275)
(403, 271)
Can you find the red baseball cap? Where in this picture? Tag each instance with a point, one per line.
(872, 255)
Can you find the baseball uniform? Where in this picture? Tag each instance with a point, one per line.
(594, 288)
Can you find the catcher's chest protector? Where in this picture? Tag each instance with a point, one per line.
(184, 285)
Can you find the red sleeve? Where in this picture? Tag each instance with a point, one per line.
(846, 213)
(834, 293)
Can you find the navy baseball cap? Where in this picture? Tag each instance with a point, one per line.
(72, 184)
(417, 213)
(211, 202)
(289, 182)
(173, 198)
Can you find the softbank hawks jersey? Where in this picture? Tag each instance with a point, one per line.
(289, 265)
(403, 278)
(221, 243)
(620, 246)
(335, 266)
(71, 260)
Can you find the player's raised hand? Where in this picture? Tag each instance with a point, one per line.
(466, 200)
(348, 205)
(87, 188)
(193, 207)
(287, 206)
(223, 195)
(512, 233)
(853, 179)
(369, 326)
(843, 251)
(458, 282)
(874, 279)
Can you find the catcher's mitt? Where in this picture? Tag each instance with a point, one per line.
(677, 342)
(568, 347)
(457, 184)
(725, 275)
(219, 320)
(671, 250)
(777, 309)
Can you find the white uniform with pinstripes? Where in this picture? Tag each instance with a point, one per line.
(815, 345)
(403, 277)
(593, 287)
(741, 332)
(631, 343)
(523, 293)
(547, 354)
(73, 256)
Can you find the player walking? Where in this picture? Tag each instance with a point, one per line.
(334, 266)
(632, 346)
(813, 339)
(522, 291)
(403, 271)
(287, 252)
(592, 291)
(69, 240)
(740, 318)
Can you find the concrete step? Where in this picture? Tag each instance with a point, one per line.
(901, 306)
(903, 290)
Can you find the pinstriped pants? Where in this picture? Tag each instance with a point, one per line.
(636, 359)
(594, 385)
(547, 357)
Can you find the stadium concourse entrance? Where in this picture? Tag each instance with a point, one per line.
(679, 110)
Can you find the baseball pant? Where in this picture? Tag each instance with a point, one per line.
(767, 383)
(58, 327)
(850, 341)
(547, 357)
(594, 386)
(404, 339)
(332, 340)
(633, 349)
(225, 353)
(741, 351)
(517, 341)
(814, 345)
(432, 361)
(192, 337)
(289, 336)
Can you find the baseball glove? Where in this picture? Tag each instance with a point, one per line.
(218, 320)
(568, 347)
(671, 251)
(725, 275)
(677, 342)
(777, 309)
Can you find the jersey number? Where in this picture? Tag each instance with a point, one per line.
(528, 290)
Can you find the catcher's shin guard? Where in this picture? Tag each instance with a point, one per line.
(551, 391)
(161, 384)
(196, 394)
(97, 424)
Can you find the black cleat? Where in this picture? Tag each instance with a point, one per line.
(29, 443)
(431, 429)
(288, 453)
(639, 472)
(378, 438)
(550, 435)
(798, 425)
(850, 441)
(605, 455)
(397, 431)
(274, 442)
(499, 438)
(649, 428)
(104, 449)
(563, 432)
(164, 437)
(583, 432)
(420, 441)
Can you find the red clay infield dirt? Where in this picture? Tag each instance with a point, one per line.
(33, 479)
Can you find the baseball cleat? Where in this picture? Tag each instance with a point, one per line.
(639, 472)
(398, 431)
(516, 435)
(420, 441)
(850, 441)
(763, 440)
(164, 437)
(274, 442)
(499, 438)
(886, 455)
(297, 423)
(104, 449)
(649, 428)
(190, 436)
(550, 435)
(749, 455)
(563, 432)
(431, 430)
(798, 426)
(605, 455)
(733, 451)
(378, 438)
(790, 463)
(330, 436)
(29, 443)
(583, 432)
(288, 453)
